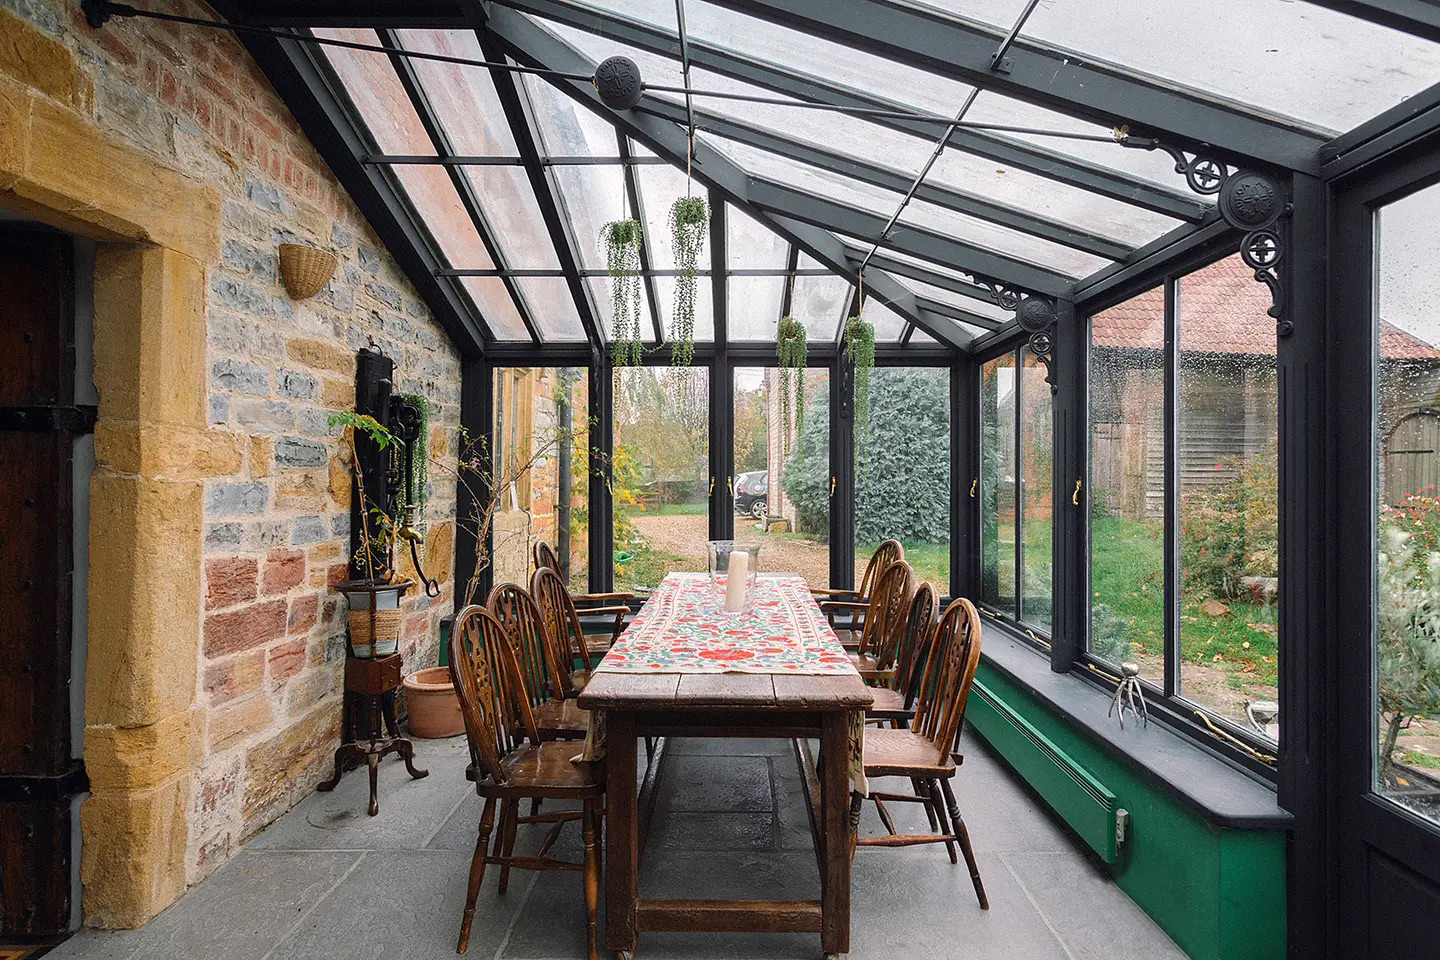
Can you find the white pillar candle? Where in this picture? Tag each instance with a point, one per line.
(735, 579)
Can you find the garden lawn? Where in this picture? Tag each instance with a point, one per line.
(1126, 574)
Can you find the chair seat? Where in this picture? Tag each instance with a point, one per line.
(561, 720)
(869, 667)
(904, 753)
(544, 770)
(889, 705)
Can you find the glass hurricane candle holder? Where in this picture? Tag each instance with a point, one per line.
(733, 569)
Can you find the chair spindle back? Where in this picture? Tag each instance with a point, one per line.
(910, 659)
(887, 613)
(544, 556)
(954, 655)
(488, 685)
(539, 662)
(557, 611)
(887, 553)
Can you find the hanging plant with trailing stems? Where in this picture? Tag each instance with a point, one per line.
(621, 240)
(689, 222)
(860, 351)
(790, 351)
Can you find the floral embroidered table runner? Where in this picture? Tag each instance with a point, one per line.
(681, 629)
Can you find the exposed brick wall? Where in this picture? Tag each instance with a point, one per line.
(277, 507)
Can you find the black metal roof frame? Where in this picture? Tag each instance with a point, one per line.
(941, 43)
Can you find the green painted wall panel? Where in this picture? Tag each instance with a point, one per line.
(1218, 893)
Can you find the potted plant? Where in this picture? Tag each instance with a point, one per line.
(374, 600)
(689, 222)
(622, 240)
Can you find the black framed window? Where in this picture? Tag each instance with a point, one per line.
(1017, 453)
(902, 470)
(1183, 465)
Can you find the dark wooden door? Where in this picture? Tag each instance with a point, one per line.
(1384, 799)
(39, 422)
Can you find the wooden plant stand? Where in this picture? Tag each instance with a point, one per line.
(371, 730)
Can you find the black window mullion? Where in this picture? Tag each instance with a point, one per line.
(1018, 559)
(602, 448)
(965, 435)
(842, 474)
(1172, 489)
(722, 386)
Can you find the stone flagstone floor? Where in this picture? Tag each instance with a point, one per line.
(326, 881)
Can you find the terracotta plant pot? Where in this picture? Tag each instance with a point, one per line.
(434, 708)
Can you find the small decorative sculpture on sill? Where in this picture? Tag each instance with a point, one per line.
(1129, 696)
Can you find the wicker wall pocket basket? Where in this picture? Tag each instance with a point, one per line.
(306, 269)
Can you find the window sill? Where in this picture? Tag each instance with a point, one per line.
(1219, 792)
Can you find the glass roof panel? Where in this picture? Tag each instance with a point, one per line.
(464, 98)
(983, 308)
(654, 69)
(755, 307)
(888, 324)
(552, 307)
(819, 300)
(1292, 59)
(373, 86)
(798, 51)
(751, 245)
(660, 186)
(496, 307)
(704, 306)
(514, 217)
(592, 196)
(921, 337)
(600, 293)
(566, 128)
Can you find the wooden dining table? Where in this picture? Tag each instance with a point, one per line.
(658, 685)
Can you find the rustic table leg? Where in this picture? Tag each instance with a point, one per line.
(621, 849)
(834, 797)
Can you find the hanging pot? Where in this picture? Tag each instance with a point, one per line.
(374, 616)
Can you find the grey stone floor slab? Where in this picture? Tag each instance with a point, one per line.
(327, 882)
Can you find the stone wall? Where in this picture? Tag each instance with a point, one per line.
(273, 514)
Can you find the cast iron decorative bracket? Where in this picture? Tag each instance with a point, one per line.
(1036, 316)
(1249, 200)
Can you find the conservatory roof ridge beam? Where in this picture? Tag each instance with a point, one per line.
(530, 42)
(903, 268)
(956, 313)
(1047, 76)
(1038, 160)
(948, 198)
(1419, 18)
(507, 89)
(906, 238)
(415, 90)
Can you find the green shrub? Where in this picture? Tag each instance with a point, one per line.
(1232, 530)
(902, 484)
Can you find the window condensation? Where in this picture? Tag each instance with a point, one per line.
(1037, 465)
(514, 216)
(591, 196)
(541, 413)
(754, 304)
(552, 307)
(1407, 478)
(999, 478)
(819, 301)
(1226, 458)
(1319, 66)
(1126, 485)
(601, 296)
(374, 88)
(902, 470)
(565, 127)
(463, 97)
(888, 324)
(751, 245)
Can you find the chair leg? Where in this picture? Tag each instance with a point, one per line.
(477, 873)
(507, 835)
(592, 878)
(959, 825)
(535, 807)
(934, 791)
(918, 786)
(856, 802)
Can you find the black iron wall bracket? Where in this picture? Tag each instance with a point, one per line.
(1247, 199)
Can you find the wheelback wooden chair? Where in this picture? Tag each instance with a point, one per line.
(886, 612)
(543, 663)
(896, 701)
(509, 763)
(925, 753)
(562, 618)
(887, 553)
(588, 606)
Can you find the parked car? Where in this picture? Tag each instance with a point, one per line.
(752, 490)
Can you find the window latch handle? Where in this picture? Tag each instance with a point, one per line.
(832, 488)
(974, 484)
(711, 491)
(1075, 497)
(730, 484)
